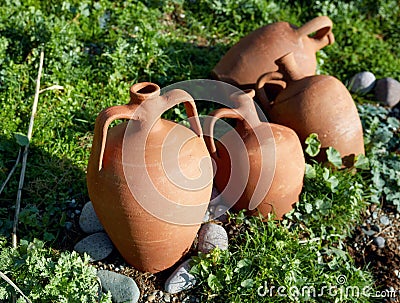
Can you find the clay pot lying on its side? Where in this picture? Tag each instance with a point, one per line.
(150, 179)
(255, 54)
(259, 166)
(313, 104)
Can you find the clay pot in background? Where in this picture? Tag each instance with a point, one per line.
(258, 165)
(255, 54)
(150, 179)
(313, 104)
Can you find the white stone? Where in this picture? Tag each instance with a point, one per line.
(181, 279)
(211, 236)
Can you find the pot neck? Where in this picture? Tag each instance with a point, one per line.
(289, 68)
(143, 91)
(244, 103)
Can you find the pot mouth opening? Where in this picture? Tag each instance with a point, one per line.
(144, 90)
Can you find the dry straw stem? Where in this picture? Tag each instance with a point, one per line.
(5, 278)
(25, 154)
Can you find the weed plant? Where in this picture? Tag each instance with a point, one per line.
(97, 49)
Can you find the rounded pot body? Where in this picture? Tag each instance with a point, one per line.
(259, 166)
(318, 104)
(321, 105)
(134, 193)
(279, 155)
(255, 54)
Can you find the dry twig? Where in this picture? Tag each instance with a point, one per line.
(5, 278)
(25, 154)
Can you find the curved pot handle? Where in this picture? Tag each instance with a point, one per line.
(210, 123)
(322, 26)
(177, 96)
(272, 78)
(104, 120)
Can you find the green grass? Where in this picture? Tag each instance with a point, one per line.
(265, 256)
(98, 49)
(45, 276)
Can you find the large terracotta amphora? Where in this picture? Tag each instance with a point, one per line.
(259, 166)
(150, 179)
(255, 54)
(313, 104)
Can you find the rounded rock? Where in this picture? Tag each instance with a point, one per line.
(121, 287)
(362, 83)
(380, 242)
(98, 246)
(181, 279)
(68, 225)
(384, 220)
(211, 236)
(368, 232)
(387, 90)
(88, 221)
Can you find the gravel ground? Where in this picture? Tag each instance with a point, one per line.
(376, 244)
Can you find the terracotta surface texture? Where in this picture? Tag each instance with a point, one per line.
(312, 104)
(255, 54)
(259, 165)
(150, 180)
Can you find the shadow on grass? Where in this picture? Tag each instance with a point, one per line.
(53, 190)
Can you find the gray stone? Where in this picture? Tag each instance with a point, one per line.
(122, 288)
(181, 279)
(380, 242)
(98, 246)
(362, 83)
(88, 221)
(384, 220)
(368, 232)
(68, 225)
(211, 236)
(374, 215)
(387, 90)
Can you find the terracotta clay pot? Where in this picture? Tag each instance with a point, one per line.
(313, 104)
(255, 54)
(259, 165)
(150, 180)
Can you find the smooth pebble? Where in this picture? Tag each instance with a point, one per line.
(98, 246)
(387, 90)
(211, 236)
(362, 83)
(181, 279)
(88, 221)
(121, 287)
(380, 242)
